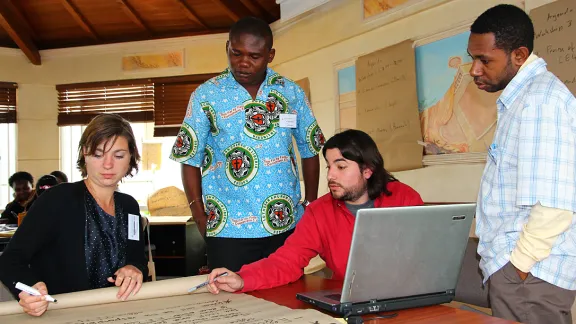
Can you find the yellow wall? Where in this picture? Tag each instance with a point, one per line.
(310, 47)
(38, 136)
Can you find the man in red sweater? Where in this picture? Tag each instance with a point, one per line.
(357, 179)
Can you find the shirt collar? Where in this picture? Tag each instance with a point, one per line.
(533, 57)
(532, 67)
(226, 78)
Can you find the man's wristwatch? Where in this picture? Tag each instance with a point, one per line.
(305, 203)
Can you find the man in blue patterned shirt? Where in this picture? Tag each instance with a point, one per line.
(527, 195)
(238, 162)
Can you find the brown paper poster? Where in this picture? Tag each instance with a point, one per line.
(555, 39)
(387, 105)
(151, 156)
(305, 85)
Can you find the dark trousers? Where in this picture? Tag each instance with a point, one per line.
(233, 253)
(531, 301)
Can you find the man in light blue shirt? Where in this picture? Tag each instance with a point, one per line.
(527, 196)
(238, 158)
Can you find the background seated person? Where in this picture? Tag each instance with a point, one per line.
(75, 236)
(21, 182)
(44, 183)
(357, 180)
(60, 176)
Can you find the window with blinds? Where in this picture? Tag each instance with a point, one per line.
(162, 100)
(79, 103)
(171, 102)
(171, 96)
(8, 102)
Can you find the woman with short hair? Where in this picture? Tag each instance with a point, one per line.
(82, 235)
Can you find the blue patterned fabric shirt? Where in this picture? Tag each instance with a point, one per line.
(532, 159)
(250, 179)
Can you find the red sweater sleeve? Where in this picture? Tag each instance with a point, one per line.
(287, 264)
(408, 196)
(413, 198)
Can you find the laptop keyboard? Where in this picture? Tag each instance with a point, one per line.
(336, 297)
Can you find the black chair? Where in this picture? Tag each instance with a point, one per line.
(470, 289)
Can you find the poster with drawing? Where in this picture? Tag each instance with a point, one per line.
(375, 7)
(455, 116)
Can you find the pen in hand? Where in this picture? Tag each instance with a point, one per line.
(33, 292)
(206, 282)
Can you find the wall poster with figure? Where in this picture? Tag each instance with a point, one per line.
(455, 116)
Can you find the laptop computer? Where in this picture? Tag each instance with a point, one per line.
(401, 257)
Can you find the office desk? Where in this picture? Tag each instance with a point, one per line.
(286, 296)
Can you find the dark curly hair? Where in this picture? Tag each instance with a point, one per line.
(357, 146)
(511, 26)
(20, 176)
(252, 26)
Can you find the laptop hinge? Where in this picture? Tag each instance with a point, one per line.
(375, 308)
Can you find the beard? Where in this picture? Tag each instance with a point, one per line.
(352, 193)
(505, 77)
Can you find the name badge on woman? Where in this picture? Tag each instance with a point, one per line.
(133, 227)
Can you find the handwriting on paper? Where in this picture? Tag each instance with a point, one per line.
(556, 22)
(554, 26)
(383, 83)
(205, 309)
(389, 127)
(387, 104)
(378, 106)
(196, 313)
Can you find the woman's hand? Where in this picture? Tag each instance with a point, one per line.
(129, 279)
(34, 305)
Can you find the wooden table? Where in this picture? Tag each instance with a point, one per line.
(286, 296)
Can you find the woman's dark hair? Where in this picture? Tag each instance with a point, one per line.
(357, 146)
(102, 129)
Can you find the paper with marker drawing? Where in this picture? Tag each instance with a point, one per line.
(165, 301)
